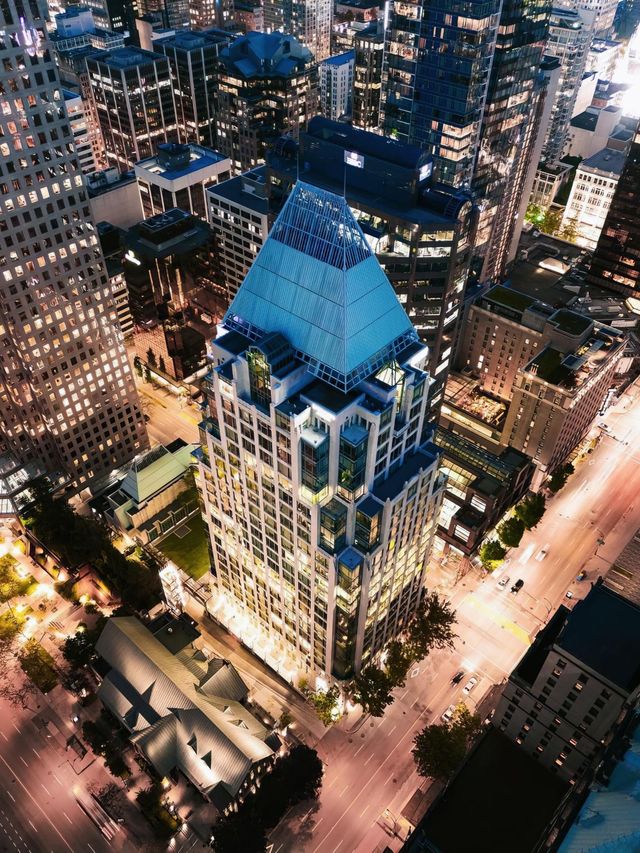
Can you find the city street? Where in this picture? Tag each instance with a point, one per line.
(371, 769)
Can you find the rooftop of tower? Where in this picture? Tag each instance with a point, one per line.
(317, 282)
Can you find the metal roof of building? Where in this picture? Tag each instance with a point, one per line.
(317, 282)
(177, 718)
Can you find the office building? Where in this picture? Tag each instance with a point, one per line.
(114, 197)
(591, 194)
(574, 687)
(248, 17)
(336, 86)
(173, 13)
(67, 396)
(420, 234)
(320, 496)
(552, 367)
(178, 176)
(186, 711)
(590, 131)
(132, 94)
(308, 21)
(110, 237)
(205, 14)
(368, 47)
(616, 261)
(428, 44)
(238, 212)
(267, 86)
(570, 36)
(79, 130)
(193, 58)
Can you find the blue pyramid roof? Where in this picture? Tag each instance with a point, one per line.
(317, 282)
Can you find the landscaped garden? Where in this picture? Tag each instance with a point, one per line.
(187, 547)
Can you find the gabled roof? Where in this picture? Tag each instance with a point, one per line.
(173, 720)
(154, 470)
(317, 282)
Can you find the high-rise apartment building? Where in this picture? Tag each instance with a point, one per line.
(437, 62)
(616, 260)
(576, 685)
(178, 176)
(132, 93)
(67, 396)
(420, 234)
(320, 496)
(570, 37)
(80, 130)
(174, 13)
(308, 21)
(204, 14)
(367, 77)
(336, 86)
(193, 59)
(267, 86)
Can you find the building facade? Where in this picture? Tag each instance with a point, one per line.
(336, 86)
(420, 234)
(193, 58)
(178, 176)
(80, 130)
(132, 94)
(308, 21)
(320, 496)
(67, 396)
(267, 86)
(367, 77)
(238, 212)
(616, 260)
(575, 686)
(591, 194)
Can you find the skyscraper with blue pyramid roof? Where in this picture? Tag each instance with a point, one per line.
(320, 495)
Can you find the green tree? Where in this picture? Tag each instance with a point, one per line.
(439, 750)
(397, 663)
(491, 554)
(372, 689)
(233, 832)
(560, 476)
(431, 627)
(570, 230)
(325, 703)
(534, 214)
(511, 532)
(531, 509)
(551, 221)
(79, 649)
(151, 358)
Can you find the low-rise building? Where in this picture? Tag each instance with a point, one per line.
(153, 494)
(238, 212)
(576, 685)
(178, 176)
(114, 197)
(591, 194)
(186, 711)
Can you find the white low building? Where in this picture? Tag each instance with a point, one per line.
(590, 198)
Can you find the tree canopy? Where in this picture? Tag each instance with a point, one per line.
(531, 509)
(431, 627)
(372, 689)
(511, 532)
(491, 553)
(440, 749)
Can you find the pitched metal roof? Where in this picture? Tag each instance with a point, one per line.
(186, 721)
(317, 282)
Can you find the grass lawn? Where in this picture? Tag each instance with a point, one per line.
(10, 625)
(38, 664)
(190, 552)
(11, 584)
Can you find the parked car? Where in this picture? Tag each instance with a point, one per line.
(542, 553)
(457, 678)
(470, 685)
(448, 714)
(581, 575)
(515, 589)
(504, 580)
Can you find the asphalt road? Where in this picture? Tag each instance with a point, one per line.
(370, 770)
(38, 809)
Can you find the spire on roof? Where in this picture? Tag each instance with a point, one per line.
(317, 282)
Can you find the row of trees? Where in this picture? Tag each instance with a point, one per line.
(294, 778)
(439, 749)
(559, 477)
(79, 540)
(549, 220)
(526, 516)
(431, 628)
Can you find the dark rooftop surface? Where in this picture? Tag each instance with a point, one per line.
(324, 395)
(585, 120)
(508, 298)
(232, 191)
(394, 484)
(536, 654)
(174, 634)
(603, 631)
(500, 802)
(352, 138)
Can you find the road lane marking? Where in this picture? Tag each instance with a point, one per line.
(36, 831)
(4, 736)
(11, 795)
(335, 849)
(365, 809)
(46, 789)
(358, 750)
(317, 824)
(68, 818)
(90, 847)
(16, 728)
(57, 779)
(368, 760)
(23, 761)
(36, 751)
(304, 817)
(344, 790)
(36, 803)
(392, 730)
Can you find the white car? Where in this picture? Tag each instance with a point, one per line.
(469, 685)
(504, 580)
(448, 714)
(542, 553)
